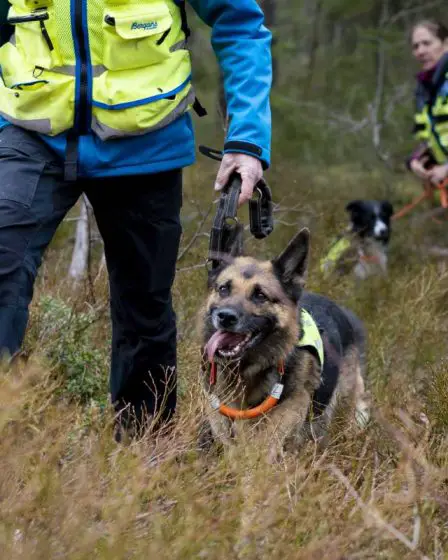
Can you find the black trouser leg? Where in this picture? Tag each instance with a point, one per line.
(33, 200)
(139, 220)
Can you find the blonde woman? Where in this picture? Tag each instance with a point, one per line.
(430, 48)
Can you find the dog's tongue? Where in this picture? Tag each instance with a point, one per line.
(221, 339)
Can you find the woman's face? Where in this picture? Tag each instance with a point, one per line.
(427, 48)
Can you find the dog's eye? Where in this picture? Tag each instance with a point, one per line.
(258, 296)
(224, 290)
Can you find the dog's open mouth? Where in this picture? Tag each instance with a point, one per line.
(229, 345)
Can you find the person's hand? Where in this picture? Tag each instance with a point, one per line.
(418, 169)
(248, 167)
(438, 173)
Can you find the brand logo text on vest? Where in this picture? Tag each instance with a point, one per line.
(145, 26)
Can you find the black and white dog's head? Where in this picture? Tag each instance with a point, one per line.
(370, 219)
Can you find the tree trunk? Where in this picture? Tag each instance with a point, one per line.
(80, 257)
(314, 45)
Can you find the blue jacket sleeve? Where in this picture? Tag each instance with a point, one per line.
(242, 45)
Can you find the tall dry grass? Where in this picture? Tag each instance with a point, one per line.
(68, 491)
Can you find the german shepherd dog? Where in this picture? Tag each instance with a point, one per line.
(251, 325)
(363, 248)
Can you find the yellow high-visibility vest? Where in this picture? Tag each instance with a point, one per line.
(431, 127)
(119, 68)
(310, 336)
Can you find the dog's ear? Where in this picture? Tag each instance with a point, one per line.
(293, 262)
(387, 208)
(354, 206)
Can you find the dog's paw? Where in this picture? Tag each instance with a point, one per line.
(205, 437)
(275, 455)
(362, 414)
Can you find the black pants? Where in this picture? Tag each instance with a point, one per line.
(138, 218)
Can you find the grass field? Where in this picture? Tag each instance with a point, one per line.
(68, 491)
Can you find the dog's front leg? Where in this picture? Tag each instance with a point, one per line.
(280, 426)
(286, 425)
(221, 427)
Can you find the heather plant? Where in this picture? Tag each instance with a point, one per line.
(69, 490)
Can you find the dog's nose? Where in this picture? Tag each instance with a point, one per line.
(226, 318)
(380, 229)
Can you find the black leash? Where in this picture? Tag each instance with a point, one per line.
(225, 220)
(261, 211)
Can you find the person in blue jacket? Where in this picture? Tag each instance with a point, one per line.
(95, 98)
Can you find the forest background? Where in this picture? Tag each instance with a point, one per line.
(342, 105)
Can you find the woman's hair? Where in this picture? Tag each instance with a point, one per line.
(437, 28)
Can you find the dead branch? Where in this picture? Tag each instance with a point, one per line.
(411, 11)
(81, 250)
(328, 116)
(189, 268)
(287, 224)
(375, 516)
(198, 233)
(438, 251)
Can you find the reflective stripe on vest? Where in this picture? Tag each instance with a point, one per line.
(431, 126)
(130, 73)
(311, 337)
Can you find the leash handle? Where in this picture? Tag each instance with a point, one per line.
(260, 205)
(211, 152)
(231, 196)
(261, 211)
(224, 221)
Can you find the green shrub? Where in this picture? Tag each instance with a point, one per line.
(66, 338)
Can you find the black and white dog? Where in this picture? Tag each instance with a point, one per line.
(363, 248)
